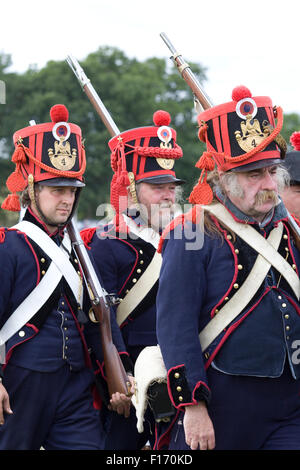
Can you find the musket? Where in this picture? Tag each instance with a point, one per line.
(117, 380)
(93, 96)
(184, 69)
(204, 101)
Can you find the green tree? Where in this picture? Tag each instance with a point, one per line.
(290, 125)
(131, 90)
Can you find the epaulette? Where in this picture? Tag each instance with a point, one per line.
(87, 235)
(3, 231)
(193, 215)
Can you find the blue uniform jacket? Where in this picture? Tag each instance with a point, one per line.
(54, 336)
(195, 284)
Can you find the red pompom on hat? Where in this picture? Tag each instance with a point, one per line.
(59, 113)
(295, 140)
(240, 92)
(161, 118)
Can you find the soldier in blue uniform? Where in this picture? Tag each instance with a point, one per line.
(143, 193)
(46, 391)
(228, 307)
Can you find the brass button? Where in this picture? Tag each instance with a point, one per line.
(138, 271)
(43, 272)
(43, 260)
(294, 266)
(283, 305)
(22, 333)
(141, 262)
(134, 280)
(236, 251)
(127, 290)
(287, 328)
(180, 398)
(286, 316)
(229, 237)
(141, 252)
(75, 260)
(178, 388)
(176, 375)
(236, 286)
(78, 272)
(226, 298)
(285, 236)
(286, 249)
(217, 310)
(240, 267)
(279, 297)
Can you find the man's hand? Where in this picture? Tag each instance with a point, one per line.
(120, 402)
(198, 427)
(4, 403)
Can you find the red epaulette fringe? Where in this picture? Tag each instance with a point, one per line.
(87, 235)
(2, 234)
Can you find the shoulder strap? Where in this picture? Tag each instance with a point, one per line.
(33, 302)
(148, 278)
(243, 296)
(58, 255)
(60, 266)
(140, 289)
(145, 233)
(258, 243)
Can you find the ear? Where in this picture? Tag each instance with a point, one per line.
(222, 179)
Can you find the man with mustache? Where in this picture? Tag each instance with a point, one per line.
(228, 320)
(144, 191)
(46, 398)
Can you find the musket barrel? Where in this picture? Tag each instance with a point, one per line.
(187, 74)
(93, 96)
(100, 108)
(84, 259)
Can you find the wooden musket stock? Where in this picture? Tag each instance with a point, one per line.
(117, 380)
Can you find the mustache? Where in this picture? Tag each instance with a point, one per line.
(265, 196)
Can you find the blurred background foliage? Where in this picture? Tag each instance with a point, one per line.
(131, 91)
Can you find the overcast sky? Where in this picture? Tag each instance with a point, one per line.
(254, 43)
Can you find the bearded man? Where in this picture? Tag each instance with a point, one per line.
(144, 194)
(228, 320)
